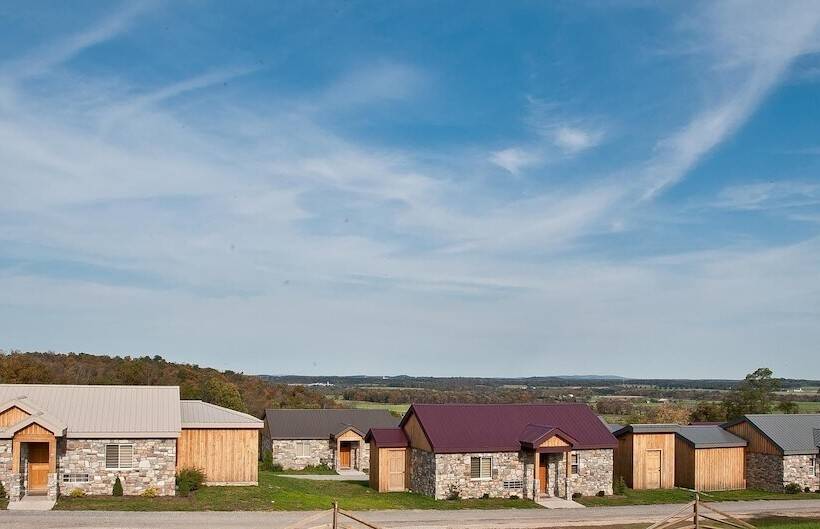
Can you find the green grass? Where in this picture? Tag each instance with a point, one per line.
(311, 469)
(808, 407)
(650, 497)
(276, 493)
(363, 404)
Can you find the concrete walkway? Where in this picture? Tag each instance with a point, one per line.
(409, 519)
(343, 475)
(559, 503)
(32, 503)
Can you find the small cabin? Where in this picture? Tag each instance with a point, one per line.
(389, 459)
(664, 456)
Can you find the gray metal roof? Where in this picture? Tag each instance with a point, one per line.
(614, 427)
(793, 433)
(324, 423)
(103, 411)
(198, 414)
(710, 437)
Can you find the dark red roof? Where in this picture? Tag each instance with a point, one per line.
(535, 434)
(387, 437)
(455, 428)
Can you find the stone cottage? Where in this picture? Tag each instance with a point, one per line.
(56, 438)
(505, 450)
(332, 437)
(782, 449)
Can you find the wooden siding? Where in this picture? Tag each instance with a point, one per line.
(554, 441)
(417, 437)
(758, 443)
(226, 456)
(33, 430)
(720, 468)
(641, 443)
(380, 468)
(684, 464)
(622, 459)
(349, 436)
(11, 416)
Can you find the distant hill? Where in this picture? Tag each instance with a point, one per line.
(225, 388)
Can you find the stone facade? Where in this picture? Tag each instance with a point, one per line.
(154, 465)
(422, 472)
(799, 469)
(5, 465)
(453, 474)
(594, 473)
(764, 472)
(320, 452)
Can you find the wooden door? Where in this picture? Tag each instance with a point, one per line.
(653, 469)
(344, 455)
(543, 475)
(37, 467)
(395, 470)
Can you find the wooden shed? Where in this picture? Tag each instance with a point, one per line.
(389, 459)
(709, 458)
(645, 456)
(221, 442)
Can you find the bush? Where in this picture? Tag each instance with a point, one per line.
(2, 491)
(150, 492)
(807, 490)
(453, 493)
(267, 460)
(189, 479)
(600, 494)
(515, 496)
(576, 495)
(620, 486)
(485, 496)
(77, 493)
(117, 487)
(792, 488)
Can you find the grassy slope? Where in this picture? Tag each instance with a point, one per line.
(649, 497)
(284, 494)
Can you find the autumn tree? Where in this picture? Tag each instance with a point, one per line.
(708, 412)
(755, 394)
(223, 394)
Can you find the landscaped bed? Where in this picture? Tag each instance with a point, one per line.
(650, 497)
(277, 493)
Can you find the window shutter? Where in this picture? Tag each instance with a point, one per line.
(486, 467)
(112, 456)
(475, 467)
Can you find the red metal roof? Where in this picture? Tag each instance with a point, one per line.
(458, 428)
(387, 437)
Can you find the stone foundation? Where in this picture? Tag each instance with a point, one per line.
(764, 472)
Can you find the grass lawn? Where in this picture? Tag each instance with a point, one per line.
(648, 497)
(808, 407)
(314, 469)
(362, 404)
(276, 493)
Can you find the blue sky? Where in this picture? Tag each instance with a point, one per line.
(496, 189)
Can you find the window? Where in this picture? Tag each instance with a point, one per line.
(119, 456)
(481, 467)
(75, 478)
(302, 449)
(514, 484)
(575, 462)
(814, 470)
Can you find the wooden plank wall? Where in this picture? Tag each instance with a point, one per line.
(226, 456)
(622, 459)
(412, 428)
(554, 441)
(684, 464)
(380, 467)
(758, 443)
(11, 416)
(654, 441)
(375, 469)
(720, 469)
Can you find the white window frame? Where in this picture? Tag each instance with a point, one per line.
(120, 447)
(815, 462)
(304, 447)
(574, 463)
(481, 460)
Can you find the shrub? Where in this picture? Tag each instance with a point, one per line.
(452, 492)
(515, 496)
(117, 487)
(600, 494)
(792, 488)
(76, 493)
(620, 486)
(807, 490)
(576, 495)
(267, 460)
(189, 479)
(2, 491)
(150, 492)
(485, 496)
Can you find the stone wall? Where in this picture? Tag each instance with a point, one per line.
(5, 464)
(798, 469)
(764, 472)
(453, 474)
(595, 472)
(422, 472)
(364, 456)
(154, 465)
(284, 453)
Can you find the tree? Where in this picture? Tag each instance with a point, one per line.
(223, 394)
(755, 394)
(708, 412)
(788, 406)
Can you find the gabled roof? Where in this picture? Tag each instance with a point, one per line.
(535, 434)
(101, 411)
(388, 437)
(461, 428)
(709, 436)
(199, 414)
(792, 433)
(323, 423)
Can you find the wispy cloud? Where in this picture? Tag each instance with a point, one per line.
(769, 195)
